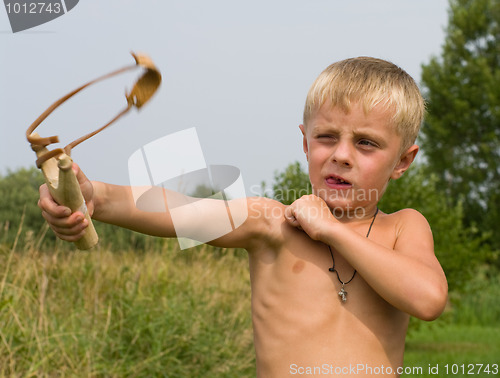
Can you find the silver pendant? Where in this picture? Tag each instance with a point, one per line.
(343, 294)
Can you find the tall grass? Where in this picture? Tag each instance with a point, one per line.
(172, 313)
(480, 304)
(114, 314)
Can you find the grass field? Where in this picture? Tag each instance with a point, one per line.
(167, 313)
(456, 349)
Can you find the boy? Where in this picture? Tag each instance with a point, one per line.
(334, 280)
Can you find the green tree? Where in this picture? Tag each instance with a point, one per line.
(461, 136)
(291, 184)
(18, 196)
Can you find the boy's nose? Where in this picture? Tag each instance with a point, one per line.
(342, 154)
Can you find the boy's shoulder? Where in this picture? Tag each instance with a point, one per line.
(266, 214)
(406, 213)
(407, 216)
(411, 229)
(263, 218)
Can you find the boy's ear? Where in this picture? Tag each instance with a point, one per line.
(404, 162)
(304, 141)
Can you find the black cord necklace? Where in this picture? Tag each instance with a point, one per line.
(343, 293)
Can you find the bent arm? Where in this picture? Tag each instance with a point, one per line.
(408, 276)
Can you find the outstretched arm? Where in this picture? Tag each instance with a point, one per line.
(408, 276)
(235, 223)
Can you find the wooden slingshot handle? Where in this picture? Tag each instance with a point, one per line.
(65, 189)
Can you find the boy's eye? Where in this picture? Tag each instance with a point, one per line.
(368, 143)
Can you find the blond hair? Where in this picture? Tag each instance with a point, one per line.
(370, 82)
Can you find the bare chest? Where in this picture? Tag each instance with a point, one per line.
(298, 314)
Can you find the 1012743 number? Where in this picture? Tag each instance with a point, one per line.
(471, 369)
(33, 8)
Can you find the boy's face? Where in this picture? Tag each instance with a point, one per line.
(352, 156)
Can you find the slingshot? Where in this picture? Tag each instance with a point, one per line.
(56, 164)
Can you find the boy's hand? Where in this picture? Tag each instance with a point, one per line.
(67, 226)
(311, 214)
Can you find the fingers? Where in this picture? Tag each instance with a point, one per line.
(65, 225)
(80, 176)
(290, 217)
(47, 204)
(307, 213)
(71, 229)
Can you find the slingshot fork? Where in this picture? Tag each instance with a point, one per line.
(56, 164)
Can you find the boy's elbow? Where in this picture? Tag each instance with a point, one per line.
(433, 306)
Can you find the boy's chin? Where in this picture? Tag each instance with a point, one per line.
(333, 199)
(343, 207)
(337, 206)
(340, 208)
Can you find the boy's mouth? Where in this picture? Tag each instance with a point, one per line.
(337, 182)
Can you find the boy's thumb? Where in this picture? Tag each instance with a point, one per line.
(80, 176)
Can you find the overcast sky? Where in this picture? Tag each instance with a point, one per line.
(237, 71)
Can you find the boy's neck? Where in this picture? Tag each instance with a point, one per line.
(355, 215)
